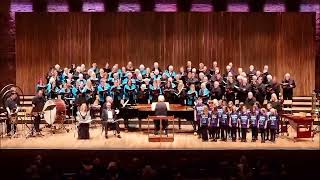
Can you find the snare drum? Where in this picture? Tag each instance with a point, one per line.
(57, 114)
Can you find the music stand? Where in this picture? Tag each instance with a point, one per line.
(50, 108)
(32, 129)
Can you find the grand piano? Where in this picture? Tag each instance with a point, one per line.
(142, 111)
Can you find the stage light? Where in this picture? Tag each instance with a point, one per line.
(220, 5)
(292, 5)
(184, 5)
(39, 5)
(147, 5)
(75, 5)
(256, 5)
(111, 5)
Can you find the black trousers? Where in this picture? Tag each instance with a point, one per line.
(112, 126)
(287, 95)
(36, 123)
(157, 124)
(244, 134)
(263, 134)
(273, 134)
(239, 132)
(204, 132)
(11, 126)
(234, 133)
(224, 132)
(267, 133)
(213, 131)
(83, 131)
(254, 133)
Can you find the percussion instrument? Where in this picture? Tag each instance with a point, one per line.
(302, 125)
(54, 111)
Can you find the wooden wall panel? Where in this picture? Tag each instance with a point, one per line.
(47, 39)
(284, 41)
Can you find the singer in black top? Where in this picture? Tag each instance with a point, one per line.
(260, 91)
(287, 85)
(38, 103)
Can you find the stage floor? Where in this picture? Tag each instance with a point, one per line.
(139, 141)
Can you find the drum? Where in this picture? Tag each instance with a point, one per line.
(54, 111)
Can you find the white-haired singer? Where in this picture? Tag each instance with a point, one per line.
(161, 108)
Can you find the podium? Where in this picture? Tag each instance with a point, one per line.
(161, 137)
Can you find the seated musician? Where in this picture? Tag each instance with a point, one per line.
(161, 108)
(12, 108)
(192, 95)
(108, 118)
(130, 92)
(143, 95)
(204, 93)
(38, 102)
(84, 119)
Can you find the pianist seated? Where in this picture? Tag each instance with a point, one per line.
(161, 108)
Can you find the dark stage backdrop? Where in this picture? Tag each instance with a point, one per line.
(284, 41)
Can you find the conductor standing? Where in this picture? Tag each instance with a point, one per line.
(161, 108)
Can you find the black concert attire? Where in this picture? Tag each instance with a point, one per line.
(168, 92)
(287, 86)
(243, 91)
(264, 77)
(260, 93)
(143, 96)
(230, 92)
(38, 102)
(268, 90)
(250, 74)
(108, 118)
(180, 97)
(275, 88)
(250, 102)
(216, 93)
(12, 105)
(161, 110)
(117, 94)
(83, 127)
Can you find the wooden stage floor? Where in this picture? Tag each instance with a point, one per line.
(139, 141)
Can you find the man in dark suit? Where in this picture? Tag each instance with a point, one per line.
(108, 118)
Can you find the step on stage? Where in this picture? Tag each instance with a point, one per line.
(138, 140)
